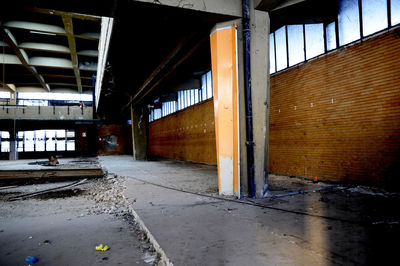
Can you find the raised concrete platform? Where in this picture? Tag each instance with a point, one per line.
(37, 169)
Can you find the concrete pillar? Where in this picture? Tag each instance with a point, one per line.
(224, 60)
(260, 99)
(13, 154)
(139, 118)
(260, 95)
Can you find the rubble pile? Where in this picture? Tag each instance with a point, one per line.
(109, 197)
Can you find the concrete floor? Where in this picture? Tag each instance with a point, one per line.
(340, 225)
(63, 227)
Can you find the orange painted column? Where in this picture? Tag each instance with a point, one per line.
(224, 73)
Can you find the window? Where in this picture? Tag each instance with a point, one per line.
(281, 56)
(314, 40)
(395, 10)
(295, 44)
(272, 53)
(209, 85)
(204, 87)
(29, 140)
(51, 140)
(374, 14)
(185, 98)
(349, 21)
(5, 141)
(286, 44)
(40, 140)
(60, 140)
(70, 140)
(4, 95)
(20, 137)
(330, 36)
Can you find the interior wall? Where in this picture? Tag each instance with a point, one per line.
(187, 135)
(114, 140)
(337, 117)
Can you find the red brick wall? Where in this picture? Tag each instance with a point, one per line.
(186, 135)
(338, 117)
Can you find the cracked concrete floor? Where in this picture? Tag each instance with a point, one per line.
(342, 226)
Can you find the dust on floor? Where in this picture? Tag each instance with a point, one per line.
(63, 227)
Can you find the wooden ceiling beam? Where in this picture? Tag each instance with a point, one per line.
(67, 20)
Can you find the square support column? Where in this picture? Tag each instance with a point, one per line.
(259, 46)
(139, 119)
(13, 153)
(224, 61)
(229, 102)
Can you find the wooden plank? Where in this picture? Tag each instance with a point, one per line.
(51, 173)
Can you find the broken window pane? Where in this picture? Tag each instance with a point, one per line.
(296, 44)
(374, 16)
(395, 9)
(330, 36)
(281, 57)
(314, 40)
(349, 21)
(271, 53)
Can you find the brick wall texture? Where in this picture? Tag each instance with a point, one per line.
(338, 116)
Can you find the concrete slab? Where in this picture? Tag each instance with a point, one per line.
(336, 226)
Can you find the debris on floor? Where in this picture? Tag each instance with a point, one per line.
(102, 248)
(58, 204)
(31, 260)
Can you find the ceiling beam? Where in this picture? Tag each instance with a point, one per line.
(61, 76)
(20, 84)
(37, 28)
(62, 13)
(67, 20)
(5, 86)
(270, 5)
(13, 45)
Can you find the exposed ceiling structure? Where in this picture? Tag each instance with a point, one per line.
(144, 36)
(49, 49)
(154, 49)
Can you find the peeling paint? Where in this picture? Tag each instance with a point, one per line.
(226, 175)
